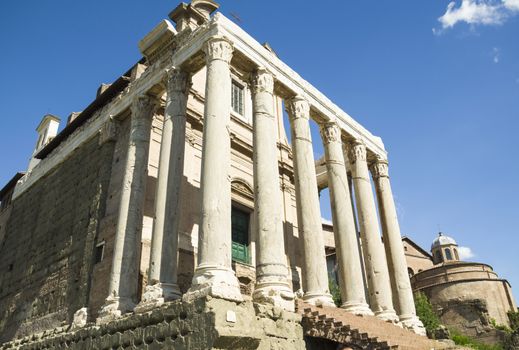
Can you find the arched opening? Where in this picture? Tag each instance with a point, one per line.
(448, 254)
(410, 272)
(438, 257)
(456, 254)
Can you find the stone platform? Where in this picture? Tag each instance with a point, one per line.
(203, 324)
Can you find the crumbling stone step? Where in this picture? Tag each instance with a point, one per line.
(366, 331)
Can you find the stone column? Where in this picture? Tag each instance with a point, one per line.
(162, 282)
(309, 222)
(125, 261)
(379, 285)
(345, 233)
(271, 264)
(402, 291)
(213, 275)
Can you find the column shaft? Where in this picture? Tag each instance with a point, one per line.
(402, 291)
(379, 285)
(271, 265)
(213, 274)
(125, 261)
(309, 222)
(162, 282)
(346, 243)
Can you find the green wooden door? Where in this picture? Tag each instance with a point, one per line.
(240, 235)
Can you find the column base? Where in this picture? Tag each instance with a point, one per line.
(113, 308)
(387, 315)
(156, 294)
(275, 293)
(414, 324)
(319, 299)
(215, 281)
(357, 308)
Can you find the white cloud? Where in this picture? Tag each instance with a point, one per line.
(511, 4)
(465, 253)
(478, 12)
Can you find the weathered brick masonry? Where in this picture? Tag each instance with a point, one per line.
(46, 256)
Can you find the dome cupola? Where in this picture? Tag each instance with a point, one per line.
(444, 249)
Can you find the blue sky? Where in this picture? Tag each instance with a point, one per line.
(438, 82)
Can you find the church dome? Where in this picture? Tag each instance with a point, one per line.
(442, 240)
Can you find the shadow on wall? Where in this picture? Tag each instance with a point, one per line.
(49, 244)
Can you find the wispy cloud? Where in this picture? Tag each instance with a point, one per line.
(495, 55)
(465, 253)
(477, 12)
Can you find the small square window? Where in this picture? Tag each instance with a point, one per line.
(237, 98)
(99, 252)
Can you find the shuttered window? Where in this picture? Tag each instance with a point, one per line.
(237, 98)
(240, 235)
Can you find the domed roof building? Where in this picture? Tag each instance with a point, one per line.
(468, 296)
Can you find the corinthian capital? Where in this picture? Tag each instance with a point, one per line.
(218, 48)
(330, 132)
(263, 81)
(356, 151)
(177, 81)
(144, 106)
(298, 107)
(379, 168)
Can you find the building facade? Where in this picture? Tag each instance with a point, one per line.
(178, 182)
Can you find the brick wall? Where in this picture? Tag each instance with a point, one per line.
(46, 257)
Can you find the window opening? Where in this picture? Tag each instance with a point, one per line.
(448, 254)
(237, 98)
(240, 235)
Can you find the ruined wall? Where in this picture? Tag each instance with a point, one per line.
(202, 324)
(47, 253)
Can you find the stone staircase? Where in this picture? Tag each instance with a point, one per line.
(365, 332)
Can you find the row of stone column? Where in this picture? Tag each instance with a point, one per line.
(213, 274)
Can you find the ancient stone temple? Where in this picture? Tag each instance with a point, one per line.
(173, 212)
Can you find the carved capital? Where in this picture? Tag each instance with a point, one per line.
(218, 48)
(330, 132)
(263, 81)
(298, 107)
(177, 81)
(356, 151)
(144, 106)
(379, 168)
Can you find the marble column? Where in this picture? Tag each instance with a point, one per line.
(271, 264)
(402, 291)
(309, 222)
(162, 280)
(124, 274)
(379, 285)
(213, 274)
(345, 233)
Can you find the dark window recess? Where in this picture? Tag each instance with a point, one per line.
(10, 267)
(99, 252)
(240, 235)
(237, 98)
(448, 254)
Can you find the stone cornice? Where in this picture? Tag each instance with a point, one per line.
(282, 73)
